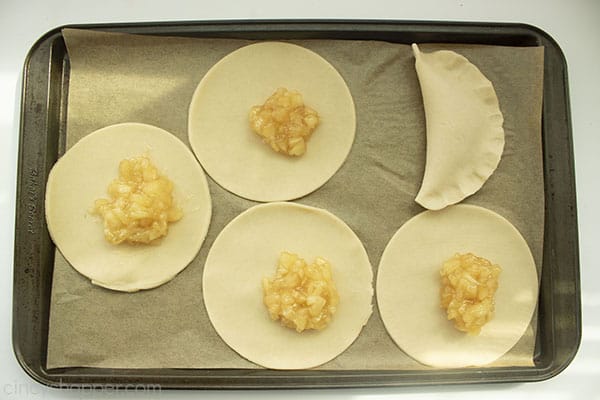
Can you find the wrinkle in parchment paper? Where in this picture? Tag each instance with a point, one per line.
(127, 78)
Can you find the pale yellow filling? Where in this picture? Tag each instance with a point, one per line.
(140, 205)
(301, 295)
(469, 284)
(284, 122)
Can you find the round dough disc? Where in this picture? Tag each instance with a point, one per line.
(234, 156)
(247, 250)
(83, 174)
(408, 285)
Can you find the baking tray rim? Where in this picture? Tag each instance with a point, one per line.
(191, 27)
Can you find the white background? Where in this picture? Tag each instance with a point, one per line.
(575, 25)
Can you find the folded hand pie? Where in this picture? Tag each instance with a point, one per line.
(465, 138)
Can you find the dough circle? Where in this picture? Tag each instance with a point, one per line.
(234, 156)
(247, 250)
(408, 284)
(83, 174)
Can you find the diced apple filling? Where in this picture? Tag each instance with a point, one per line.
(140, 205)
(469, 284)
(284, 122)
(301, 295)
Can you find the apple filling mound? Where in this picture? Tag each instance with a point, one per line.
(301, 295)
(284, 122)
(469, 284)
(140, 206)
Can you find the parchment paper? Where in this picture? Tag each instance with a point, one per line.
(124, 78)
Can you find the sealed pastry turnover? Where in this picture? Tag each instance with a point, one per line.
(408, 286)
(81, 177)
(465, 137)
(222, 136)
(241, 306)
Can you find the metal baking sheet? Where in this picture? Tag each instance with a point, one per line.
(43, 117)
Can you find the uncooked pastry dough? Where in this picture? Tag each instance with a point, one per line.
(408, 285)
(248, 249)
(82, 175)
(234, 156)
(465, 138)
